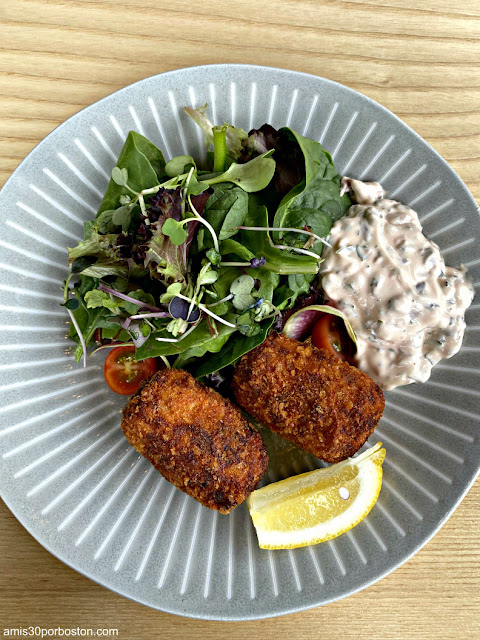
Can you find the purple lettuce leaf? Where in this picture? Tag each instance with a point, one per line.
(290, 163)
(168, 261)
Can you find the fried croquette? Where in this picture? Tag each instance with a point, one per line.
(198, 440)
(307, 396)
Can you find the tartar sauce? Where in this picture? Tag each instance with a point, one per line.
(406, 307)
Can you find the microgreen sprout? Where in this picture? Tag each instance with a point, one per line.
(254, 263)
(210, 313)
(212, 328)
(143, 316)
(120, 177)
(174, 230)
(179, 308)
(207, 224)
(226, 299)
(80, 337)
(254, 305)
(305, 252)
(288, 230)
(142, 207)
(74, 322)
(165, 362)
(184, 335)
(112, 346)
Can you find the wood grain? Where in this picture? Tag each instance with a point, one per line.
(422, 61)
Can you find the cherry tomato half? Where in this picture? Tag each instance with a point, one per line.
(123, 373)
(329, 333)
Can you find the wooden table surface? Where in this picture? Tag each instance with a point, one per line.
(424, 64)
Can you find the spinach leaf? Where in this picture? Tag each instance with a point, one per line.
(283, 296)
(109, 333)
(87, 229)
(104, 222)
(316, 220)
(234, 349)
(296, 285)
(320, 195)
(230, 246)
(225, 210)
(152, 348)
(315, 157)
(315, 201)
(144, 163)
(258, 242)
(209, 346)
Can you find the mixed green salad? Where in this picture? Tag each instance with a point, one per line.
(195, 264)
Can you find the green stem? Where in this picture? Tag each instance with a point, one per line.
(219, 149)
(65, 288)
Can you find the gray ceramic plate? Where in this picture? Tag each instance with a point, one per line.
(68, 474)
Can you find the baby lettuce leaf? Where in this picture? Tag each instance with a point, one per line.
(251, 176)
(103, 268)
(144, 163)
(97, 257)
(99, 246)
(233, 135)
(88, 320)
(166, 259)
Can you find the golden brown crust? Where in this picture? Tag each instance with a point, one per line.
(316, 400)
(198, 440)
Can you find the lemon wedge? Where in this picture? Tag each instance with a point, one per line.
(318, 505)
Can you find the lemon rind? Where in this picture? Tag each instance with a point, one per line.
(370, 479)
